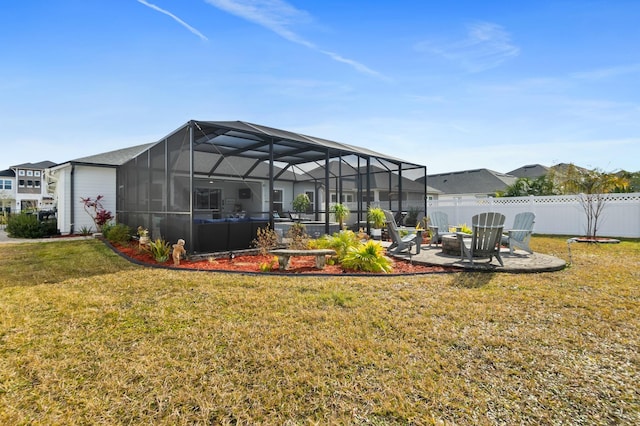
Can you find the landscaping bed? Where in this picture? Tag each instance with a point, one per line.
(257, 263)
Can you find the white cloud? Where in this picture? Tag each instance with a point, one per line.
(486, 46)
(278, 16)
(178, 20)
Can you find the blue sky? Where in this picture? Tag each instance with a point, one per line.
(453, 85)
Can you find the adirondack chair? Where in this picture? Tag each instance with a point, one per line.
(485, 239)
(398, 243)
(438, 226)
(520, 234)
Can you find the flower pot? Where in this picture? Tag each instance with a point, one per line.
(376, 233)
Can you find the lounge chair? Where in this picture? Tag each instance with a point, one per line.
(438, 226)
(520, 235)
(398, 243)
(485, 239)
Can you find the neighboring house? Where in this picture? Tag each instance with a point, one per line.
(478, 183)
(7, 191)
(23, 188)
(531, 171)
(84, 177)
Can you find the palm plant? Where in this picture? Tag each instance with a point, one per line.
(367, 257)
(341, 213)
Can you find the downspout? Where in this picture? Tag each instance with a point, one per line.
(425, 191)
(326, 193)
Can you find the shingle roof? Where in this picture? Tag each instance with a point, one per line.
(478, 181)
(114, 158)
(530, 171)
(8, 173)
(41, 165)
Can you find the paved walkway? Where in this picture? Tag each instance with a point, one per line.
(520, 261)
(4, 239)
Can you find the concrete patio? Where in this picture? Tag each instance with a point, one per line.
(519, 262)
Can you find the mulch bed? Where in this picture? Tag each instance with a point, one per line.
(250, 263)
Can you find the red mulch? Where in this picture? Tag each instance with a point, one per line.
(251, 263)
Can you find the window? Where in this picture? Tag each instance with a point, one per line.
(36, 183)
(346, 198)
(277, 197)
(7, 184)
(29, 172)
(311, 207)
(29, 184)
(36, 173)
(21, 183)
(20, 172)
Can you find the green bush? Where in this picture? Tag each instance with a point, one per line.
(160, 250)
(368, 257)
(118, 233)
(341, 242)
(25, 225)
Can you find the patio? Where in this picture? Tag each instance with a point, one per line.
(519, 262)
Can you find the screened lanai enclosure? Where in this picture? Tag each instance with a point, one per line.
(214, 183)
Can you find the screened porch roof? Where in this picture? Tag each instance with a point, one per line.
(242, 149)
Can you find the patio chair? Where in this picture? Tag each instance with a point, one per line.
(398, 243)
(520, 235)
(438, 226)
(485, 239)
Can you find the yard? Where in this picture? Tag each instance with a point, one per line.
(86, 337)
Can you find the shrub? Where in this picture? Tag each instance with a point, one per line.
(118, 233)
(367, 257)
(299, 239)
(86, 230)
(160, 250)
(24, 225)
(50, 227)
(341, 242)
(266, 239)
(98, 213)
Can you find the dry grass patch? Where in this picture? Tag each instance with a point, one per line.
(173, 347)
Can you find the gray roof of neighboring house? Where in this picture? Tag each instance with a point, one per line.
(8, 173)
(113, 158)
(478, 181)
(38, 166)
(531, 171)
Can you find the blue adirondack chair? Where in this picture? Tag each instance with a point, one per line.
(520, 235)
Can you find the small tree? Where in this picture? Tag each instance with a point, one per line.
(591, 187)
(301, 203)
(96, 210)
(341, 213)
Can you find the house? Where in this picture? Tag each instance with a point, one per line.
(477, 183)
(531, 171)
(86, 177)
(214, 183)
(23, 188)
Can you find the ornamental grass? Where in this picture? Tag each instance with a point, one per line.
(88, 338)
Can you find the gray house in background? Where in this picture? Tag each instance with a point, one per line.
(478, 183)
(531, 171)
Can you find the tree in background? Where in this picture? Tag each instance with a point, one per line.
(523, 187)
(592, 188)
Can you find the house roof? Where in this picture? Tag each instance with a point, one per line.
(112, 158)
(7, 173)
(531, 171)
(478, 181)
(37, 166)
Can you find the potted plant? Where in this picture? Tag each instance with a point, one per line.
(143, 237)
(341, 212)
(301, 203)
(376, 217)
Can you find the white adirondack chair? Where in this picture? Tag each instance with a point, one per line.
(520, 235)
(398, 243)
(438, 226)
(485, 239)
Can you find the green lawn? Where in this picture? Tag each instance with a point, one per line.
(86, 337)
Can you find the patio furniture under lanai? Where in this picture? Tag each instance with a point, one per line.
(399, 243)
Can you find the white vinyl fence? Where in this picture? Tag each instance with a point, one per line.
(559, 215)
